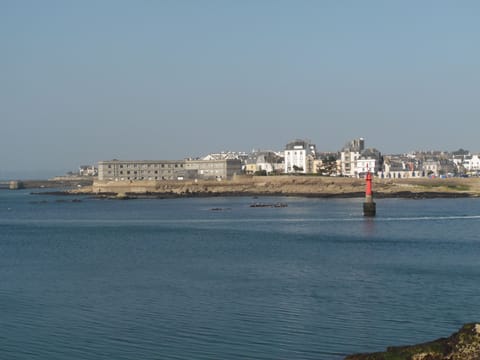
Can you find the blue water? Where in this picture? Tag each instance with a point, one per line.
(172, 279)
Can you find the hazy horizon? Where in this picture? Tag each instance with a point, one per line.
(86, 81)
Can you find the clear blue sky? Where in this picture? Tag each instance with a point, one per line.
(82, 81)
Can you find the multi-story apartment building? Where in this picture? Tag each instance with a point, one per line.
(349, 156)
(299, 157)
(213, 169)
(472, 163)
(141, 170)
(119, 170)
(468, 163)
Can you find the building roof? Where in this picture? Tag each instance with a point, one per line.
(300, 145)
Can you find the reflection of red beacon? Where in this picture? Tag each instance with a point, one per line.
(369, 207)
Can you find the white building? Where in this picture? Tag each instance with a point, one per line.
(350, 155)
(431, 167)
(299, 157)
(471, 163)
(226, 155)
(87, 170)
(365, 165)
(370, 160)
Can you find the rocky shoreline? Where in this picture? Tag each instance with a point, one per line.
(462, 345)
(299, 186)
(174, 195)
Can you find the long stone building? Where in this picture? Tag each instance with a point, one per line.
(141, 170)
(213, 169)
(135, 170)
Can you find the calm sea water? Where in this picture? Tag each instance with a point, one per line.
(172, 279)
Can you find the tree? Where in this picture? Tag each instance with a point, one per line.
(260, 173)
(461, 152)
(297, 168)
(328, 167)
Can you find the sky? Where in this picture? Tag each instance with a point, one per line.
(86, 80)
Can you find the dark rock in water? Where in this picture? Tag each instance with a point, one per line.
(263, 205)
(462, 345)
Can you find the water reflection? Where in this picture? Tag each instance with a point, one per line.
(369, 226)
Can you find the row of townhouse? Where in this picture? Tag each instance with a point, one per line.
(427, 165)
(355, 161)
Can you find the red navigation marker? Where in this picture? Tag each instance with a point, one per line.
(368, 180)
(369, 206)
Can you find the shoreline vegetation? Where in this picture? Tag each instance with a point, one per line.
(299, 186)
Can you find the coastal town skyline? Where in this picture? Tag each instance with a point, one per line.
(352, 159)
(49, 173)
(88, 81)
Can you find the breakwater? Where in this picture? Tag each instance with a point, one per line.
(48, 184)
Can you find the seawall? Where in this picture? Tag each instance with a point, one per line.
(313, 186)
